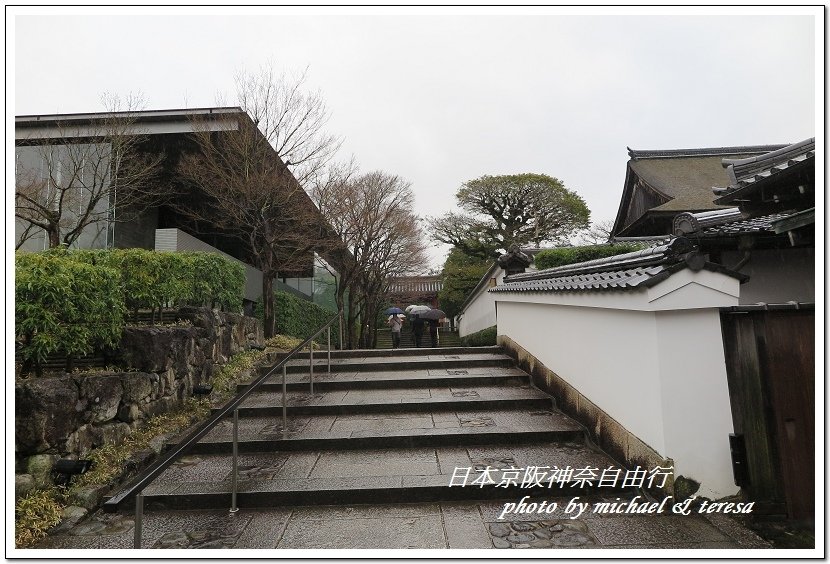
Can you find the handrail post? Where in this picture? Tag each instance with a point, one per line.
(311, 365)
(234, 474)
(328, 347)
(284, 405)
(139, 518)
(340, 328)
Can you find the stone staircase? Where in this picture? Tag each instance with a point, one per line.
(368, 461)
(383, 427)
(446, 339)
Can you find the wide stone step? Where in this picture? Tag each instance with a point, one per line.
(424, 350)
(470, 376)
(407, 438)
(487, 471)
(410, 362)
(421, 399)
(359, 430)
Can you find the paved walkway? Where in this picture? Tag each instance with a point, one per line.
(367, 461)
(456, 525)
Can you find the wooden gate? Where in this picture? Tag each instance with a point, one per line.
(770, 362)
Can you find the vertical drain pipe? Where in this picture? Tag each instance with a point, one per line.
(284, 406)
(139, 517)
(234, 508)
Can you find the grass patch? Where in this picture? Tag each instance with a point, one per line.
(35, 513)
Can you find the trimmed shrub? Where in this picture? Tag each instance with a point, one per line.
(156, 279)
(64, 306)
(73, 302)
(483, 338)
(216, 280)
(550, 258)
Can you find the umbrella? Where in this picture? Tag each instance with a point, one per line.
(433, 314)
(413, 309)
(392, 310)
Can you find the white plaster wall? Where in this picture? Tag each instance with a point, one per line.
(776, 275)
(609, 355)
(697, 416)
(480, 313)
(657, 368)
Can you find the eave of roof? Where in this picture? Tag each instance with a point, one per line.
(639, 269)
(138, 115)
(794, 221)
(746, 175)
(700, 152)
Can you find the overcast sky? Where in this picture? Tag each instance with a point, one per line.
(440, 99)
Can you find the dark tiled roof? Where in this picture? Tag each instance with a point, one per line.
(415, 285)
(612, 280)
(662, 183)
(639, 269)
(724, 223)
(700, 152)
(745, 226)
(744, 173)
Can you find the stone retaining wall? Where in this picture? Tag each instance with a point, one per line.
(70, 415)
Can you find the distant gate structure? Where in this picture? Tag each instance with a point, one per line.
(405, 290)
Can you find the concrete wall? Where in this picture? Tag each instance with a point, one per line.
(651, 359)
(173, 239)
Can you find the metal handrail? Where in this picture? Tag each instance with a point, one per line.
(146, 478)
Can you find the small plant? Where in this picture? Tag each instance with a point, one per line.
(109, 460)
(224, 382)
(286, 343)
(36, 513)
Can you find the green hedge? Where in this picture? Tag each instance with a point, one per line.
(73, 302)
(155, 279)
(562, 256)
(299, 318)
(483, 338)
(63, 306)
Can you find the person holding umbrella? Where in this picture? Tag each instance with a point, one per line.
(432, 316)
(395, 322)
(417, 329)
(417, 322)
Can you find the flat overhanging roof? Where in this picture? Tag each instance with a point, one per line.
(143, 122)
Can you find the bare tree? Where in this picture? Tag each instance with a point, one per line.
(599, 233)
(245, 178)
(291, 118)
(372, 213)
(89, 177)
